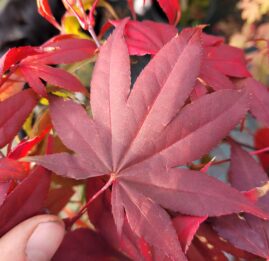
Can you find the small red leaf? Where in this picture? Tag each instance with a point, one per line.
(25, 146)
(171, 9)
(91, 20)
(45, 11)
(32, 63)
(15, 55)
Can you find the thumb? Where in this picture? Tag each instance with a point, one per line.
(35, 239)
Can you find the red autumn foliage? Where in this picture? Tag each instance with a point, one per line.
(134, 148)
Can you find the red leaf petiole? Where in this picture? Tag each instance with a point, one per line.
(70, 222)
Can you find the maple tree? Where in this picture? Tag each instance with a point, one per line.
(129, 149)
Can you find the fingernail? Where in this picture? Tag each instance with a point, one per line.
(44, 241)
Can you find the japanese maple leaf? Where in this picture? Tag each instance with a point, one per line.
(139, 137)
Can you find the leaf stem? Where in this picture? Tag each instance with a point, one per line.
(70, 222)
(213, 163)
(256, 152)
(94, 36)
(84, 21)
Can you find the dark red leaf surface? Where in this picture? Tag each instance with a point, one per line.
(186, 227)
(207, 245)
(245, 173)
(100, 215)
(58, 198)
(99, 206)
(85, 244)
(248, 233)
(11, 170)
(26, 200)
(259, 99)
(261, 139)
(4, 187)
(219, 245)
(16, 108)
(139, 137)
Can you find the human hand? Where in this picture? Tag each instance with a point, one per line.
(35, 239)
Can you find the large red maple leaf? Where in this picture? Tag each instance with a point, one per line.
(139, 137)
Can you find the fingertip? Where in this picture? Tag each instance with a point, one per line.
(44, 241)
(36, 238)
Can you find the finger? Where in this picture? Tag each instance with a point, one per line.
(35, 239)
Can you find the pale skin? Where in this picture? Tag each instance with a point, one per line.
(35, 239)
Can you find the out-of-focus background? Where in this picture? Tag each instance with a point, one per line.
(21, 24)
(243, 23)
